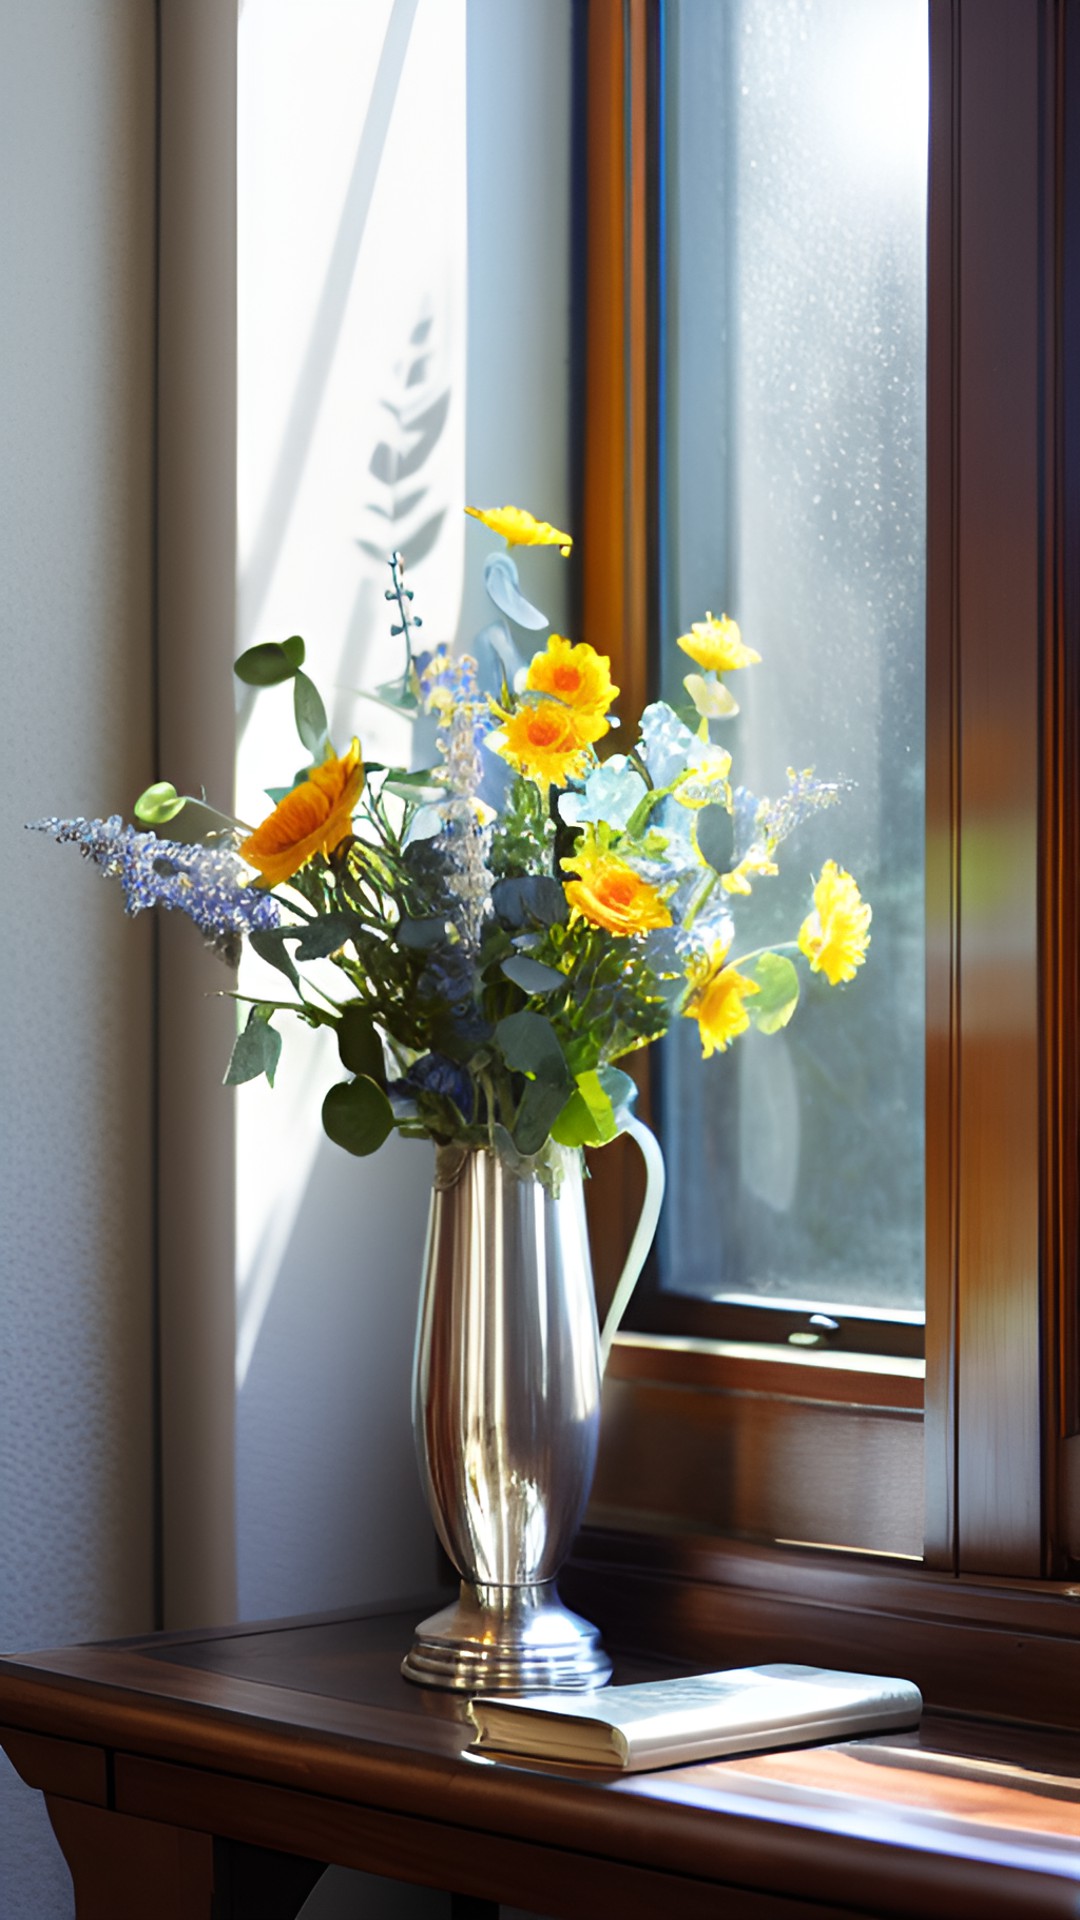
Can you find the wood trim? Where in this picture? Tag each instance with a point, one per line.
(1061, 795)
(778, 1373)
(942, 802)
(63, 1766)
(616, 450)
(700, 1436)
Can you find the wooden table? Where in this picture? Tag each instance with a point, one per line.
(212, 1776)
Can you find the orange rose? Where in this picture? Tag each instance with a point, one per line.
(313, 818)
(609, 894)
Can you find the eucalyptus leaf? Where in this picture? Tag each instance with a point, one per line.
(773, 1006)
(716, 837)
(256, 1050)
(711, 698)
(588, 1118)
(294, 649)
(530, 898)
(359, 1046)
(357, 1115)
(621, 1090)
(420, 935)
(539, 1110)
(531, 976)
(529, 1044)
(311, 723)
(159, 803)
(266, 665)
(325, 935)
(574, 1126)
(269, 944)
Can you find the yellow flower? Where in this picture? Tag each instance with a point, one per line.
(756, 861)
(548, 742)
(836, 935)
(718, 1006)
(610, 894)
(519, 529)
(717, 645)
(577, 675)
(312, 818)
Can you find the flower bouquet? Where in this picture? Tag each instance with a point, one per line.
(506, 925)
(512, 921)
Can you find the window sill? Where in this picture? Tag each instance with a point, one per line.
(991, 1648)
(764, 1443)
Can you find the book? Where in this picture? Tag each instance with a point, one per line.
(667, 1723)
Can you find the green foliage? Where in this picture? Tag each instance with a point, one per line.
(311, 722)
(359, 1046)
(159, 803)
(256, 1050)
(357, 1115)
(270, 663)
(773, 1006)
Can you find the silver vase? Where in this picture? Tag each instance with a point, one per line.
(506, 1413)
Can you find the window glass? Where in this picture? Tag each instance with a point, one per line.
(794, 499)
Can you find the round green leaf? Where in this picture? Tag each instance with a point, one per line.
(159, 803)
(357, 1115)
(266, 665)
(294, 649)
(772, 1007)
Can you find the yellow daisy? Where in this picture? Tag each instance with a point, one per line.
(836, 935)
(577, 675)
(717, 645)
(548, 742)
(718, 1006)
(519, 529)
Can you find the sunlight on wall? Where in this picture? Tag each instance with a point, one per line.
(351, 438)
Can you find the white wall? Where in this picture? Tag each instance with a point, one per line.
(76, 344)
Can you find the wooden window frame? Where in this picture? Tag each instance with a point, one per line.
(704, 1438)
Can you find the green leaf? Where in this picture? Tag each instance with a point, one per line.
(266, 665)
(531, 975)
(269, 944)
(325, 935)
(588, 1118)
(159, 803)
(716, 837)
(532, 898)
(294, 649)
(621, 1090)
(256, 1050)
(540, 1108)
(773, 1007)
(420, 935)
(357, 1115)
(310, 714)
(574, 1126)
(529, 1044)
(359, 1045)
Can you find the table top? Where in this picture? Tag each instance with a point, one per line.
(954, 1817)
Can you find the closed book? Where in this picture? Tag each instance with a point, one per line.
(667, 1723)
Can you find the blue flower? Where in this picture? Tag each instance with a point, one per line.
(434, 1073)
(205, 882)
(610, 793)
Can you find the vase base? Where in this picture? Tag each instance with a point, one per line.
(507, 1640)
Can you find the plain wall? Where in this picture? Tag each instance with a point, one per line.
(76, 1271)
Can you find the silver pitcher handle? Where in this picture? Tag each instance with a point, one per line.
(644, 1233)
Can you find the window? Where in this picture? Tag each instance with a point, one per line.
(827, 1448)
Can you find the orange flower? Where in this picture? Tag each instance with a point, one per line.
(577, 675)
(312, 818)
(547, 741)
(609, 894)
